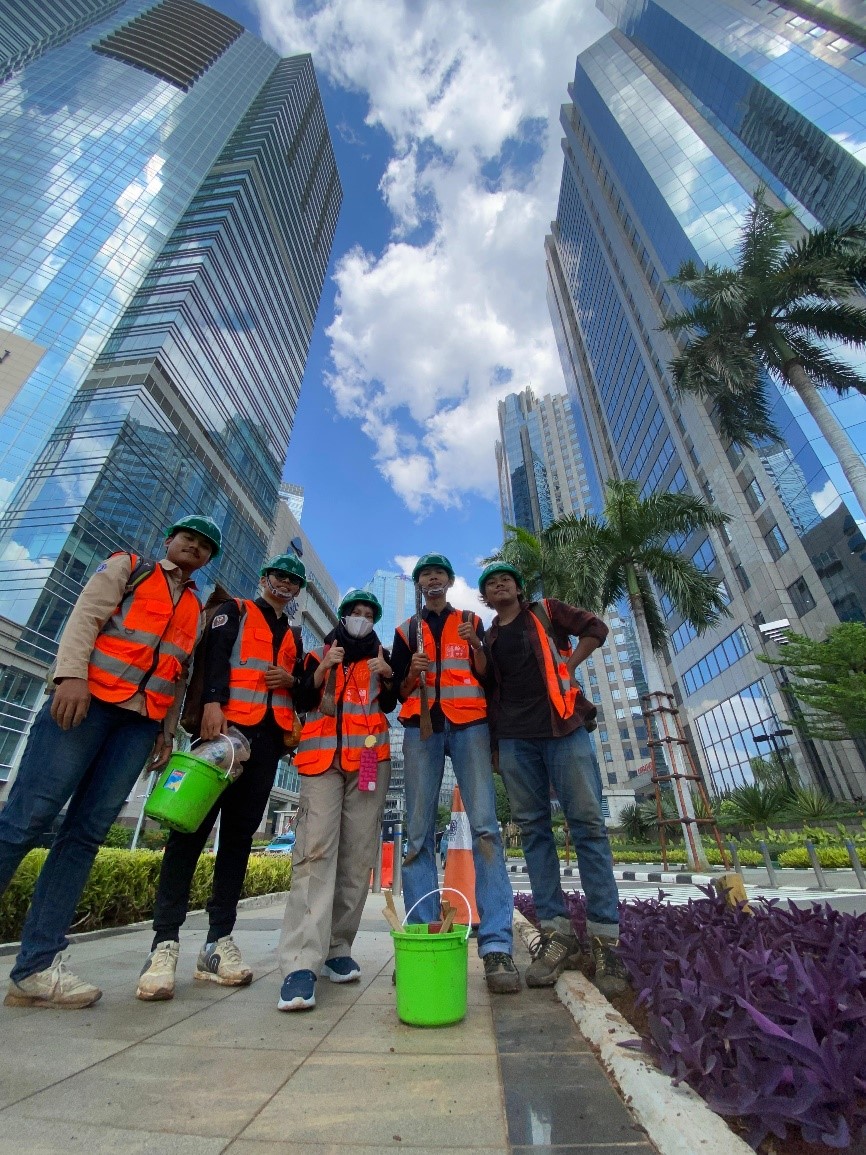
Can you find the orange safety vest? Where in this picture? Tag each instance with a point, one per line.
(144, 644)
(561, 689)
(252, 654)
(356, 693)
(460, 693)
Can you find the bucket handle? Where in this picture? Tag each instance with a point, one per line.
(442, 891)
(227, 773)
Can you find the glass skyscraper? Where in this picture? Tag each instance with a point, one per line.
(675, 118)
(169, 200)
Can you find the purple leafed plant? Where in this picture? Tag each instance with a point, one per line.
(763, 1015)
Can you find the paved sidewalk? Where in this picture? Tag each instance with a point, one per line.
(222, 1070)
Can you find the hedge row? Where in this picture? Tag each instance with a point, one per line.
(122, 887)
(830, 856)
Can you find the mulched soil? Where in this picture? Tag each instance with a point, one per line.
(794, 1144)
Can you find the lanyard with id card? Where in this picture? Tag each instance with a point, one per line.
(369, 768)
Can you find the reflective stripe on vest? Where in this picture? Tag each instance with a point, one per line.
(560, 687)
(143, 645)
(461, 695)
(251, 656)
(356, 695)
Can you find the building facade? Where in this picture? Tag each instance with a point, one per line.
(675, 118)
(169, 202)
(543, 475)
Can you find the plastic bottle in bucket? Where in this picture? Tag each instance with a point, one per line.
(190, 784)
(226, 751)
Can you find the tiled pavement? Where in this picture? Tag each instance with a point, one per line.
(222, 1070)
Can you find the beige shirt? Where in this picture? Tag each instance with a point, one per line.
(99, 599)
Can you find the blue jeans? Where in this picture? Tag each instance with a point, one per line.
(529, 767)
(93, 766)
(424, 764)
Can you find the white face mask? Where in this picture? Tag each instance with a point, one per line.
(357, 626)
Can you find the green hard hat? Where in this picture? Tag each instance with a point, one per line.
(499, 567)
(286, 563)
(353, 597)
(432, 561)
(198, 523)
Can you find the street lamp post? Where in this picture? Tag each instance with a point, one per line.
(772, 737)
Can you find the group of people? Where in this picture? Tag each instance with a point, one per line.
(507, 695)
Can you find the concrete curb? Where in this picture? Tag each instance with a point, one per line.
(676, 1118)
(635, 875)
(7, 948)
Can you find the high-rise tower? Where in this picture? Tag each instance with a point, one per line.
(675, 118)
(169, 200)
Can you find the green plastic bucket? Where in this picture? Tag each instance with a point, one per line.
(185, 792)
(431, 973)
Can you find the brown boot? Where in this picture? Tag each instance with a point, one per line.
(611, 977)
(553, 953)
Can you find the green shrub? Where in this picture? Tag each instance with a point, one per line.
(829, 856)
(808, 803)
(118, 837)
(122, 887)
(756, 805)
(636, 824)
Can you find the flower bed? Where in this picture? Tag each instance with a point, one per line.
(764, 1016)
(122, 887)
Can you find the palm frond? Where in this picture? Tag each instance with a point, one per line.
(826, 371)
(743, 420)
(764, 238)
(827, 263)
(717, 361)
(663, 514)
(693, 593)
(829, 320)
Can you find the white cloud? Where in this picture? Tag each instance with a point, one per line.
(452, 314)
(827, 499)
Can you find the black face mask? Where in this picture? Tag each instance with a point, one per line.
(357, 649)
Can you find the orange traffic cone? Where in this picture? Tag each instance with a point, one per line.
(459, 867)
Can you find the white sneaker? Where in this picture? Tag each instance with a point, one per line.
(221, 962)
(53, 987)
(156, 980)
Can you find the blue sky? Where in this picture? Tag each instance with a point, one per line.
(444, 119)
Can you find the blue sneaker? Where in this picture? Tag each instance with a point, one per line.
(298, 992)
(341, 970)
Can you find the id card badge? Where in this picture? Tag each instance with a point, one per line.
(368, 769)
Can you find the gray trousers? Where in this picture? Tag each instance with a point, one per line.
(336, 838)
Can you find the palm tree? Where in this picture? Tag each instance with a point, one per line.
(773, 313)
(597, 561)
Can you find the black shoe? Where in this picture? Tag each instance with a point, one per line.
(611, 977)
(500, 973)
(553, 952)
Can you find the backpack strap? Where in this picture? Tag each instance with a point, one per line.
(141, 571)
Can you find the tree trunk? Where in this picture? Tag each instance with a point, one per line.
(656, 682)
(850, 459)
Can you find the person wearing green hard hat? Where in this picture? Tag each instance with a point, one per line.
(116, 692)
(344, 764)
(439, 663)
(252, 662)
(202, 527)
(539, 719)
